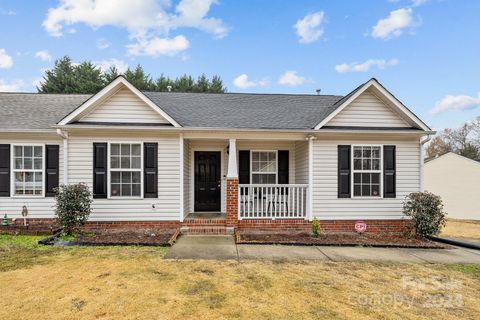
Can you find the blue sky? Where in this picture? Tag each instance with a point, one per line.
(425, 51)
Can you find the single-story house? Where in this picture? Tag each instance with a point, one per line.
(214, 161)
(457, 180)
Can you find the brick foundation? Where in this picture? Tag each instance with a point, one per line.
(232, 202)
(283, 225)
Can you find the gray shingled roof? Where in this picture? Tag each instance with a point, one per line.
(34, 110)
(239, 110)
(229, 110)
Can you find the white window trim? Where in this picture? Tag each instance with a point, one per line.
(13, 170)
(251, 165)
(109, 171)
(366, 171)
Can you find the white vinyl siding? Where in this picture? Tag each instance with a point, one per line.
(165, 207)
(124, 107)
(367, 111)
(38, 206)
(301, 162)
(326, 204)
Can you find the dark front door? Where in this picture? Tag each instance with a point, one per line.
(207, 181)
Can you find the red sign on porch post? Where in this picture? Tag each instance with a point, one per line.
(360, 226)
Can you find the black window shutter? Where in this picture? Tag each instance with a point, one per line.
(344, 175)
(4, 170)
(244, 167)
(51, 169)
(283, 166)
(99, 169)
(389, 172)
(150, 170)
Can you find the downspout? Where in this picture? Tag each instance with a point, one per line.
(422, 160)
(64, 135)
(310, 177)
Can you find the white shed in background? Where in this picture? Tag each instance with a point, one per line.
(457, 180)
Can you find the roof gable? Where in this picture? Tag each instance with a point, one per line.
(123, 106)
(367, 110)
(119, 102)
(384, 105)
(449, 157)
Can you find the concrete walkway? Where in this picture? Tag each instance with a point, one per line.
(224, 248)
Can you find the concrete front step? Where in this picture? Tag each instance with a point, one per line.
(206, 230)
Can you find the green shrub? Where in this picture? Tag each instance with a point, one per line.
(73, 207)
(316, 230)
(426, 211)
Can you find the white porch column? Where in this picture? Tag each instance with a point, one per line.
(232, 159)
(310, 178)
(182, 190)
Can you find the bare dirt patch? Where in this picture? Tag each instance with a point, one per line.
(336, 239)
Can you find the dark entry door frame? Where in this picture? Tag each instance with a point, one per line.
(207, 180)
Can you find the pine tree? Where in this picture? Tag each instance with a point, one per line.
(216, 86)
(202, 85)
(88, 78)
(60, 79)
(140, 79)
(111, 74)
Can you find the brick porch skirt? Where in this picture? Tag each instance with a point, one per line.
(284, 225)
(278, 225)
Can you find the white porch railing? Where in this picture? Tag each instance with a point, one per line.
(272, 201)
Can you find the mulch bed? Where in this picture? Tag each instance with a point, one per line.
(144, 237)
(336, 239)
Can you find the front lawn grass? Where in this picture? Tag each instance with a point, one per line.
(136, 283)
(462, 229)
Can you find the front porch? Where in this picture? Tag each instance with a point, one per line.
(235, 179)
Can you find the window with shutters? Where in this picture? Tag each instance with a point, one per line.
(125, 169)
(367, 171)
(264, 167)
(28, 170)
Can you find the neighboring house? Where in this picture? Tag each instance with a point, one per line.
(249, 160)
(457, 180)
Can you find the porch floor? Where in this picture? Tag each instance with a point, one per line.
(206, 215)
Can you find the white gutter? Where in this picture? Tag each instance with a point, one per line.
(219, 129)
(64, 135)
(422, 162)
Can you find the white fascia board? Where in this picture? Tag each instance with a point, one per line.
(109, 89)
(373, 82)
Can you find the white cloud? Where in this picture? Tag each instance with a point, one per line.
(365, 66)
(158, 46)
(309, 29)
(105, 65)
(394, 24)
(43, 55)
(455, 103)
(7, 12)
(147, 21)
(6, 61)
(13, 86)
(102, 44)
(417, 3)
(291, 79)
(243, 82)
